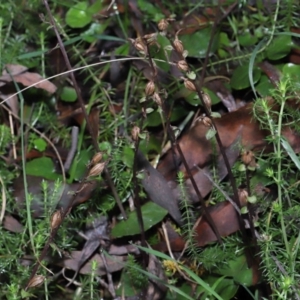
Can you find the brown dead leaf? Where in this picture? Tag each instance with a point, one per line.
(19, 74)
(114, 263)
(35, 189)
(12, 224)
(225, 218)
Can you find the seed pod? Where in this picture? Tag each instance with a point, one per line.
(150, 88)
(163, 25)
(139, 45)
(189, 84)
(36, 281)
(135, 131)
(243, 197)
(178, 46)
(207, 121)
(150, 37)
(247, 157)
(97, 169)
(96, 159)
(157, 99)
(182, 65)
(207, 100)
(56, 219)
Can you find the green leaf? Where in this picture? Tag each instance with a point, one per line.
(197, 43)
(240, 78)
(285, 144)
(238, 270)
(78, 168)
(247, 39)
(42, 167)
(68, 94)
(279, 47)
(152, 214)
(78, 16)
(292, 71)
(225, 287)
(264, 86)
(127, 156)
(40, 144)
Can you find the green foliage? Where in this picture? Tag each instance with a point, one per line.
(280, 238)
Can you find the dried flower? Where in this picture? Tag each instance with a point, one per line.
(56, 219)
(178, 46)
(189, 84)
(163, 25)
(96, 159)
(135, 131)
(97, 169)
(207, 121)
(182, 65)
(149, 38)
(157, 99)
(206, 99)
(243, 197)
(37, 280)
(247, 157)
(150, 88)
(139, 45)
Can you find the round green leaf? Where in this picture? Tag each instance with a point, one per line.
(240, 77)
(247, 39)
(78, 168)
(78, 16)
(127, 156)
(264, 86)
(279, 47)
(68, 94)
(40, 144)
(197, 43)
(42, 167)
(152, 214)
(238, 270)
(292, 71)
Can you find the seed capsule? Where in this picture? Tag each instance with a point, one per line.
(150, 88)
(189, 85)
(207, 121)
(182, 66)
(36, 281)
(97, 169)
(157, 99)
(55, 219)
(207, 100)
(247, 157)
(135, 131)
(178, 46)
(96, 159)
(243, 197)
(163, 25)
